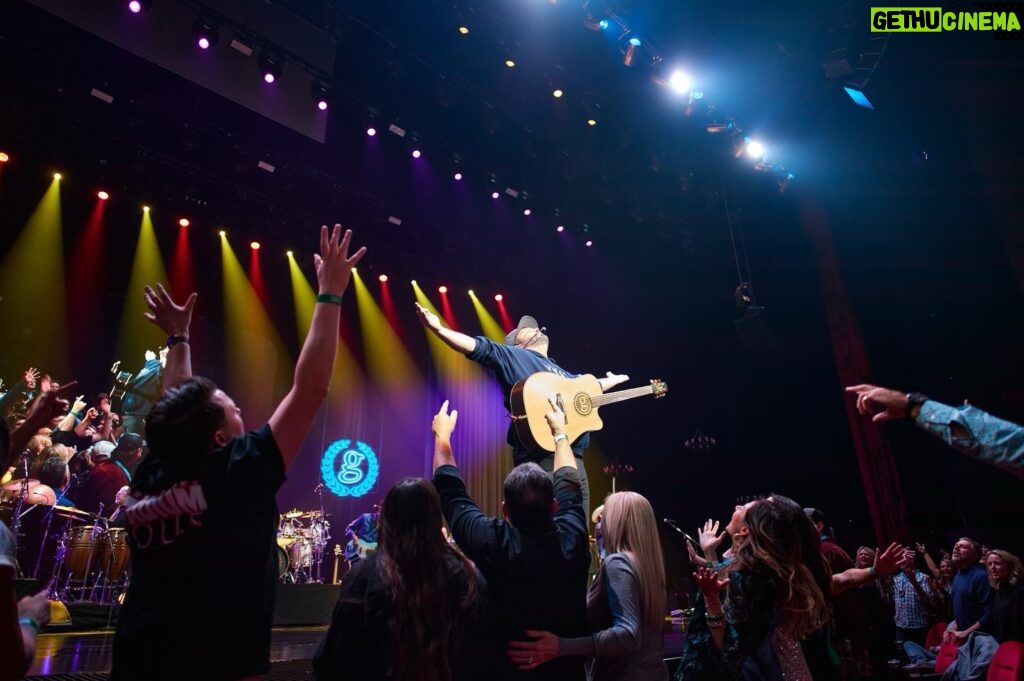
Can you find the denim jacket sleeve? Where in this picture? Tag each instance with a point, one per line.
(989, 439)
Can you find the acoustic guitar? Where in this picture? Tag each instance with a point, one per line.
(578, 398)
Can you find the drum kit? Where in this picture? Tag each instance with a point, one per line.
(302, 537)
(78, 554)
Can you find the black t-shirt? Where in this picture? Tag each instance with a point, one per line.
(537, 577)
(204, 577)
(1008, 613)
(511, 364)
(358, 644)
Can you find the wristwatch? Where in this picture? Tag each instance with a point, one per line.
(174, 340)
(915, 400)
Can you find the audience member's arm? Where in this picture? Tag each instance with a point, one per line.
(443, 426)
(621, 638)
(711, 587)
(68, 422)
(966, 429)
(886, 563)
(929, 561)
(174, 320)
(48, 405)
(33, 614)
(710, 539)
(293, 417)
(452, 338)
(563, 452)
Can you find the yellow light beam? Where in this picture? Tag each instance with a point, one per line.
(386, 357)
(259, 367)
(136, 334)
(33, 331)
(490, 326)
(347, 376)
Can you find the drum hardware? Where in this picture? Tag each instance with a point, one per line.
(302, 537)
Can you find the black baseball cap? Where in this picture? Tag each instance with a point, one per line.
(525, 322)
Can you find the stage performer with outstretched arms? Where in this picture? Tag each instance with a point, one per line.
(524, 353)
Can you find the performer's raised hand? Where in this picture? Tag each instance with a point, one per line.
(428, 318)
(611, 380)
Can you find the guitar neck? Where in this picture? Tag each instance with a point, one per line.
(619, 396)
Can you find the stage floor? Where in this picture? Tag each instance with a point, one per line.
(85, 656)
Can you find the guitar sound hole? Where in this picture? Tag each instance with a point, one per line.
(583, 404)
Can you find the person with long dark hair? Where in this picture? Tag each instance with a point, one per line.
(413, 610)
(773, 623)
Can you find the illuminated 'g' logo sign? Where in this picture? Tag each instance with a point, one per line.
(357, 472)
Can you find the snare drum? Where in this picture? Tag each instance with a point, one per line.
(115, 552)
(300, 554)
(83, 551)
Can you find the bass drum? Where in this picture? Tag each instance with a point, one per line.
(282, 561)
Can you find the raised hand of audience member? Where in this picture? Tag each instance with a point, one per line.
(428, 318)
(444, 422)
(333, 264)
(710, 538)
(170, 317)
(31, 376)
(532, 654)
(887, 562)
(555, 417)
(882, 404)
(695, 558)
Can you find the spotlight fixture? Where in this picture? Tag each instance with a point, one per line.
(270, 67)
(205, 32)
(184, 222)
(509, 63)
(464, 30)
(630, 50)
(383, 278)
(560, 228)
(458, 176)
(4, 158)
(255, 245)
(290, 254)
(102, 195)
(416, 153)
(57, 176)
(442, 289)
(494, 195)
(320, 94)
(370, 132)
(603, 24)
(591, 122)
(589, 243)
(145, 209)
(222, 233)
(527, 212)
(557, 94)
(755, 149)
(679, 82)
(137, 6)
(498, 297)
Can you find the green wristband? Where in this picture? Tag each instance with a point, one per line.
(29, 622)
(328, 298)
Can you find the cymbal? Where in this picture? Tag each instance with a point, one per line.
(73, 513)
(294, 513)
(15, 485)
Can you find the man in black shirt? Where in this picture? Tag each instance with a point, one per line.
(524, 353)
(201, 513)
(535, 559)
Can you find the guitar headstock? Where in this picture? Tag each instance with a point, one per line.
(659, 387)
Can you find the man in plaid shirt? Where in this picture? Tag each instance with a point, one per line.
(912, 597)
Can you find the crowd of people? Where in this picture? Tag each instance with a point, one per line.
(505, 597)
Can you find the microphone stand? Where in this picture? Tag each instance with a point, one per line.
(16, 517)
